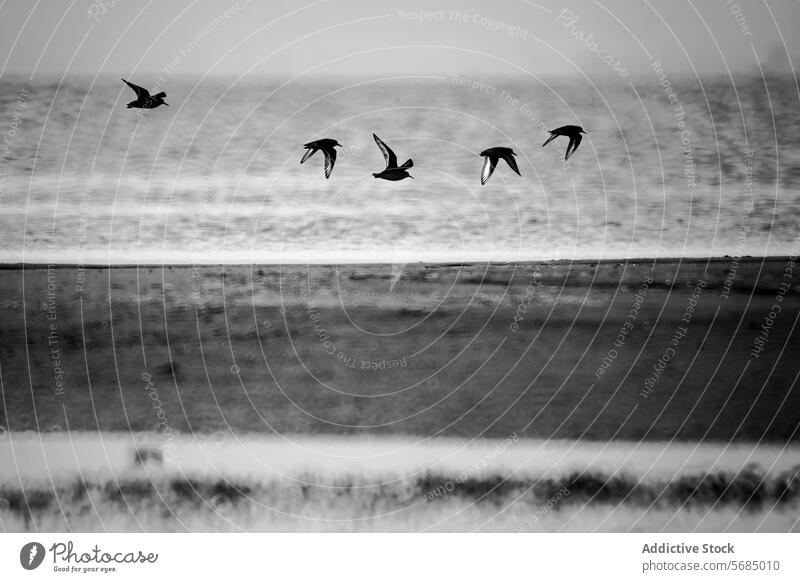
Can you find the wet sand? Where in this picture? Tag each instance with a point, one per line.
(641, 350)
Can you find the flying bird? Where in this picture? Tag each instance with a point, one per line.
(392, 172)
(573, 132)
(493, 155)
(143, 98)
(327, 146)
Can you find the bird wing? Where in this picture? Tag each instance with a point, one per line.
(388, 154)
(509, 158)
(141, 92)
(574, 142)
(330, 159)
(310, 152)
(551, 138)
(489, 165)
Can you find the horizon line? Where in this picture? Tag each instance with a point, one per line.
(500, 262)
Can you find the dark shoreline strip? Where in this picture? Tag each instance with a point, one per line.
(428, 264)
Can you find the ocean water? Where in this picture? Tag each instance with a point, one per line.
(215, 177)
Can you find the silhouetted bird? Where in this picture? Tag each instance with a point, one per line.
(327, 146)
(573, 132)
(393, 171)
(143, 98)
(492, 155)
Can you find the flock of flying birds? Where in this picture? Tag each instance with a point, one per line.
(392, 171)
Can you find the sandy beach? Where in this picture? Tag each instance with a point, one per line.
(693, 350)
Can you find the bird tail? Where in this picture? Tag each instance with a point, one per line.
(549, 139)
(407, 164)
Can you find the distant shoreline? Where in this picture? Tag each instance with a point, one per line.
(499, 263)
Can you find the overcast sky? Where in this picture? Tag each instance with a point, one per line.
(382, 36)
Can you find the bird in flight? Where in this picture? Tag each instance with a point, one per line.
(493, 155)
(573, 132)
(143, 98)
(392, 171)
(327, 146)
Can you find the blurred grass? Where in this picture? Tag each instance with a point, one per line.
(309, 501)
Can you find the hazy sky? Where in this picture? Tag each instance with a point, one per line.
(382, 36)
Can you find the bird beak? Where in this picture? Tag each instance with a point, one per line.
(167, 104)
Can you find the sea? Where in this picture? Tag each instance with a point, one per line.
(670, 167)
